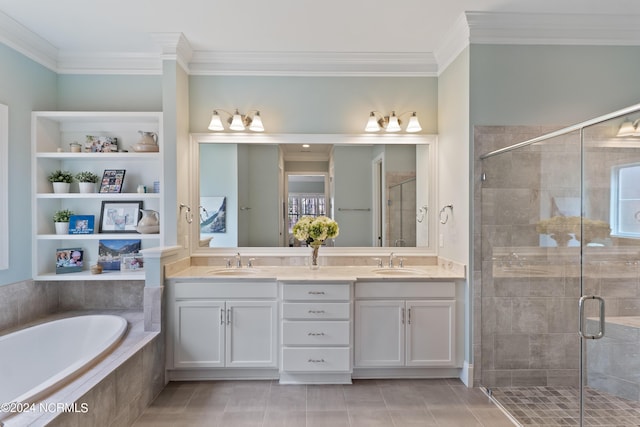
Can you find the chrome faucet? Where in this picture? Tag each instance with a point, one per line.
(393, 256)
(238, 260)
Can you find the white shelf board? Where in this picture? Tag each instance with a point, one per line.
(86, 275)
(98, 236)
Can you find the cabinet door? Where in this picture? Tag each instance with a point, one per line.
(251, 334)
(198, 334)
(379, 333)
(430, 333)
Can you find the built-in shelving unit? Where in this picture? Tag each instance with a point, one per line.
(52, 133)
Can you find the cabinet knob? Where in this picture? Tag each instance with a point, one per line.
(316, 311)
(316, 334)
(316, 360)
(316, 292)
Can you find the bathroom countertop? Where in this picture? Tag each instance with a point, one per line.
(324, 273)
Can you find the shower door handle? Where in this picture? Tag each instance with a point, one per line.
(581, 331)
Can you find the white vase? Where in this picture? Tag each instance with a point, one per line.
(61, 187)
(87, 187)
(62, 227)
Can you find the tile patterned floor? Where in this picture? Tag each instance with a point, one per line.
(559, 406)
(367, 403)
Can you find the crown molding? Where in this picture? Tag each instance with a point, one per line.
(313, 64)
(28, 43)
(174, 46)
(109, 63)
(553, 29)
(453, 43)
(469, 28)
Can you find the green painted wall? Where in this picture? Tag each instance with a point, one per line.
(25, 86)
(109, 93)
(551, 85)
(313, 104)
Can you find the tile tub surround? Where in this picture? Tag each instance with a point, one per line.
(116, 389)
(23, 302)
(26, 301)
(612, 361)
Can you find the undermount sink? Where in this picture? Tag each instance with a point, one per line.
(232, 271)
(398, 271)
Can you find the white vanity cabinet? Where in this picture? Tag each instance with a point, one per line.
(405, 324)
(221, 325)
(316, 332)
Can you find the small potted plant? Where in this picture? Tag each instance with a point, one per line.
(61, 220)
(61, 180)
(87, 181)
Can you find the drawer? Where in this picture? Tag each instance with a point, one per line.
(316, 359)
(316, 333)
(319, 292)
(225, 290)
(317, 310)
(405, 290)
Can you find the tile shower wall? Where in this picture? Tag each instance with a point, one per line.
(525, 329)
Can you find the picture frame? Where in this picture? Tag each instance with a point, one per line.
(119, 216)
(81, 224)
(112, 181)
(132, 262)
(69, 260)
(213, 212)
(111, 252)
(101, 144)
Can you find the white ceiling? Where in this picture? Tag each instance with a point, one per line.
(74, 28)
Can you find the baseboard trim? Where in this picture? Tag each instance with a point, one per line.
(466, 374)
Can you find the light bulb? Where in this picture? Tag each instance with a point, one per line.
(216, 123)
(236, 122)
(256, 123)
(414, 124)
(394, 124)
(372, 124)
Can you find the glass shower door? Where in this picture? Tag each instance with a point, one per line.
(610, 245)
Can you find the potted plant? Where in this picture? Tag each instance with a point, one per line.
(87, 181)
(61, 220)
(61, 180)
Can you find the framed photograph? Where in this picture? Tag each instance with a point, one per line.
(101, 144)
(131, 262)
(213, 212)
(81, 224)
(111, 252)
(119, 217)
(69, 260)
(112, 181)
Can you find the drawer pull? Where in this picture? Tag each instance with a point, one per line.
(316, 334)
(316, 360)
(316, 292)
(316, 311)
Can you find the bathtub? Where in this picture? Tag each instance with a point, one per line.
(37, 359)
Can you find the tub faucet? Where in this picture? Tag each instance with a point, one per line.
(238, 260)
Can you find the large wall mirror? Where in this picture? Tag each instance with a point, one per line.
(249, 190)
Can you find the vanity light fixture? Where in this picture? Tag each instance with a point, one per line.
(237, 121)
(629, 128)
(392, 122)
